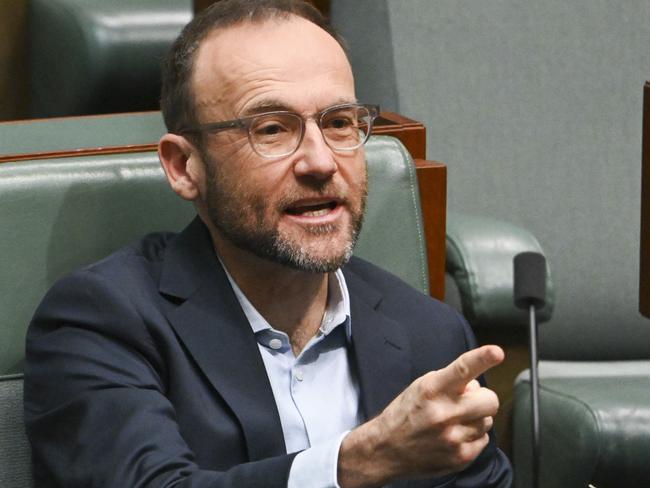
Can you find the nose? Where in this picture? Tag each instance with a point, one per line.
(314, 157)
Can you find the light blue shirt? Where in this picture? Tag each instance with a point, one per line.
(316, 393)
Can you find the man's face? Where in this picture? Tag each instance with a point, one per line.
(303, 210)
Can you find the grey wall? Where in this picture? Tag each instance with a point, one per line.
(366, 27)
(535, 106)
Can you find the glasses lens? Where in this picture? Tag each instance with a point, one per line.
(274, 135)
(346, 127)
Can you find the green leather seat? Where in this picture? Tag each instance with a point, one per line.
(595, 415)
(480, 253)
(59, 214)
(595, 424)
(99, 56)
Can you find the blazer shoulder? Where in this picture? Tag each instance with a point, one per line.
(430, 324)
(395, 290)
(147, 252)
(119, 285)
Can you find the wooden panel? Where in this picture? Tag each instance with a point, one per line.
(412, 133)
(200, 5)
(644, 277)
(432, 182)
(13, 60)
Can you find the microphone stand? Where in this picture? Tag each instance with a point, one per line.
(530, 293)
(534, 393)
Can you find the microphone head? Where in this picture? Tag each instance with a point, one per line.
(530, 280)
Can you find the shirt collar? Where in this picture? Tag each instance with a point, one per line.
(337, 310)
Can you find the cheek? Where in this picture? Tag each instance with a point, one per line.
(356, 176)
(253, 189)
(230, 145)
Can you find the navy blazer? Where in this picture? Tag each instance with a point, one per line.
(141, 370)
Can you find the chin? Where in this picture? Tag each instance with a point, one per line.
(320, 254)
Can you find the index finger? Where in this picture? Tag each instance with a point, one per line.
(469, 366)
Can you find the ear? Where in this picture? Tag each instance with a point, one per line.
(182, 165)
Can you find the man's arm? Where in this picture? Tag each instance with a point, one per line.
(96, 400)
(438, 425)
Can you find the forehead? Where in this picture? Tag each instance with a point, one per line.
(288, 61)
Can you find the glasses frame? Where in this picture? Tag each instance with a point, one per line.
(245, 123)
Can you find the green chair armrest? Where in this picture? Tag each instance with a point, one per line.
(480, 254)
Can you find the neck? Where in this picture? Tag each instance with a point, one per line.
(290, 300)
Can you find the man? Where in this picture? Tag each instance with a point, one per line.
(250, 350)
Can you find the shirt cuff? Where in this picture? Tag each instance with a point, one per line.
(317, 467)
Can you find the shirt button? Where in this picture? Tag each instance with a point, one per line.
(275, 344)
(299, 375)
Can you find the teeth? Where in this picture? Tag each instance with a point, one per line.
(316, 213)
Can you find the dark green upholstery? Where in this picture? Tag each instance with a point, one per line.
(61, 214)
(68, 133)
(480, 253)
(99, 56)
(595, 421)
(595, 415)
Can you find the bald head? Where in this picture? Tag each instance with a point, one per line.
(177, 97)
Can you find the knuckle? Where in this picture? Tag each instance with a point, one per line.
(462, 368)
(493, 400)
(464, 455)
(473, 385)
(436, 416)
(489, 400)
(451, 438)
(428, 386)
(468, 452)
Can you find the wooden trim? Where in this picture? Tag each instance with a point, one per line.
(92, 151)
(412, 133)
(644, 275)
(432, 183)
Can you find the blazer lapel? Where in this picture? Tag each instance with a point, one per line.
(381, 348)
(207, 317)
(383, 359)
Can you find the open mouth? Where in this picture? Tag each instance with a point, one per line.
(315, 210)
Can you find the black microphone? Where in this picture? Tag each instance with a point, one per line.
(530, 293)
(530, 280)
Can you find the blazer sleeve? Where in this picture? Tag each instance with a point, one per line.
(96, 412)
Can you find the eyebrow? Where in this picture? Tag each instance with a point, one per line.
(266, 106)
(275, 105)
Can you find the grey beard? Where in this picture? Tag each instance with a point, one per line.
(297, 258)
(225, 215)
(273, 247)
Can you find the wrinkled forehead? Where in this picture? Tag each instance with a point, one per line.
(280, 56)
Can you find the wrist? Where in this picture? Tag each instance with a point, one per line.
(361, 463)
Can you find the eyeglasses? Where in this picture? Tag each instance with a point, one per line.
(277, 134)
